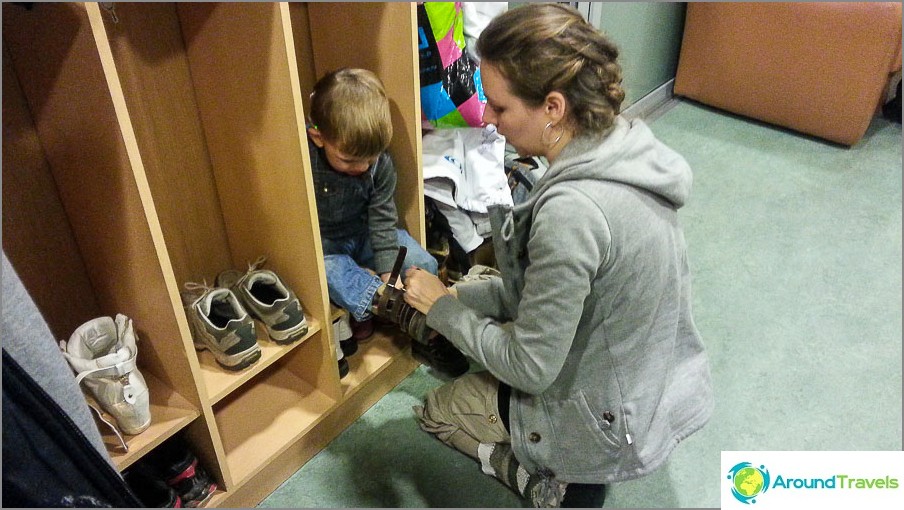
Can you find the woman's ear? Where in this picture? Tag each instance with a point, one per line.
(316, 136)
(556, 106)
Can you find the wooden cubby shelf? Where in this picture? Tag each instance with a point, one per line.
(170, 413)
(220, 382)
(373, 356)
(167, 143)
(258, 423)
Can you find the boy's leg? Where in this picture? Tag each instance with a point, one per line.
(417, 255)
(430, 347)
(350, 286)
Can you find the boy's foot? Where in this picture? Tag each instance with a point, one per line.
(362, 330)
(390, 306)
(441, 355)
(349, 346)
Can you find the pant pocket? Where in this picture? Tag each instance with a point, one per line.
(468, 403)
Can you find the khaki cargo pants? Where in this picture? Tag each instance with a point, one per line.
(464, 413)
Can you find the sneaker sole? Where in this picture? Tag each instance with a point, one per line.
(288, 336)
(233, 362)
(136, 430)
(196, 503)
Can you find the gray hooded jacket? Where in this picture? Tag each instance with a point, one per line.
(591, 322)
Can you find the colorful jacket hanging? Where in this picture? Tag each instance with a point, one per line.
(451, 92)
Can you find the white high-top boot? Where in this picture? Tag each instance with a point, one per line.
(102, 353)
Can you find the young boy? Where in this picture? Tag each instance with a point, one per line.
(355, 182)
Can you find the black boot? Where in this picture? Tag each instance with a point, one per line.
(391, 306)
(179, 467)
(428, 345)
(150, 488)
(440, 354)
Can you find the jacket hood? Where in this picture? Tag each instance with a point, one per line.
(628, 153)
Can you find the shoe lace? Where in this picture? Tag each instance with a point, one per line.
(254, 266)
(196, 290)
(195, 286)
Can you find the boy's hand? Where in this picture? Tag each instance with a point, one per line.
(398, 284)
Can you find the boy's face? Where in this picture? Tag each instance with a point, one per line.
(340, 161)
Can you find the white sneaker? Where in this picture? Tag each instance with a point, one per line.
(341, 331)
(102, 353)
(342, 328)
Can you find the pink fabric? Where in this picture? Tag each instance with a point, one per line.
(472, 111)
(448, 49)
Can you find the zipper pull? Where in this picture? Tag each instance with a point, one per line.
(109, 7)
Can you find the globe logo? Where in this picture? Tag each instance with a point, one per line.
(748, 482)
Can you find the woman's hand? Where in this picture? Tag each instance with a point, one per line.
(422, 289)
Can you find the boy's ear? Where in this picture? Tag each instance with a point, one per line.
(316, 137)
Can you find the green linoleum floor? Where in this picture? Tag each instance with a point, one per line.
(795, 247)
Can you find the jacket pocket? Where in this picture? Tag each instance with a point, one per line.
(338, 202)
(607, 423)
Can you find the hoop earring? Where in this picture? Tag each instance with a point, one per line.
(543, 136)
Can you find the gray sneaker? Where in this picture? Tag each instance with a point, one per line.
(220, 323)
(269, 300)
(102, 353)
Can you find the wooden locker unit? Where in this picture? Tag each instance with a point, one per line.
(167, 144)
(61, 78)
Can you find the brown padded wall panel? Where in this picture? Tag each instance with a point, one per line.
(817, 68)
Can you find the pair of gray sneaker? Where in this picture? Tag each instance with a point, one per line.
(222, 317)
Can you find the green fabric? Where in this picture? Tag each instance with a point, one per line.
(444, 16)
(452, 119)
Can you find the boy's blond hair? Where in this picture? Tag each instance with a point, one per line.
(350, 109)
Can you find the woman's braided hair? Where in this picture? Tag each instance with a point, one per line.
(541, 48)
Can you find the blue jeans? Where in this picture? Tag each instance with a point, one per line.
(350, 285)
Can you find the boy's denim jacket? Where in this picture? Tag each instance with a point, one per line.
(349, 206)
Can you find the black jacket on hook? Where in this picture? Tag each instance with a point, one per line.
(47, 460)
